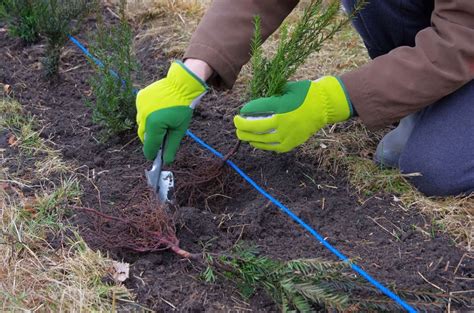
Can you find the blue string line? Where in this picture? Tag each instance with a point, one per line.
(298, 220)
(96, 60)
(282, 207)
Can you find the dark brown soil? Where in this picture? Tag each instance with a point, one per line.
(226, 210)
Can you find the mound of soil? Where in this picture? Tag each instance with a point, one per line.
(378, 233)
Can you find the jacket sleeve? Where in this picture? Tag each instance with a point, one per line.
(411, 78)
(223, 36)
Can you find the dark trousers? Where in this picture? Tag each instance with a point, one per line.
(441, 146)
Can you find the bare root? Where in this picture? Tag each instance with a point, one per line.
(205, 177)
(148, 228)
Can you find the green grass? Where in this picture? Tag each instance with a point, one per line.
(22, 19)
(51, 207)
(25, 136)
(369, 178)
(21, 126)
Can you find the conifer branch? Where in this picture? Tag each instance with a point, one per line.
(318, 24)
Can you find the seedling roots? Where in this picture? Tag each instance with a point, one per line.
(148, 229)
(207, 178)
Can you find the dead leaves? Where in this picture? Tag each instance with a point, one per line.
(4, 187)
(30, 207)
(119, 271)
(7, 89)
(12, 140)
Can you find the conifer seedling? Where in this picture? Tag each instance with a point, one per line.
(319, 23)
(114, 105)
(57, 20)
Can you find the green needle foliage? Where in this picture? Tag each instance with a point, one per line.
(309, 285)
(114, 106)
(57, 20)
(21, 18)
(318, 24)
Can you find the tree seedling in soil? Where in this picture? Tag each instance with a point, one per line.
(114, 105)
(22, 19)
(304, 285)
(57, 20)
(308, 285)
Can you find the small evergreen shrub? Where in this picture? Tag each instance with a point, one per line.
(21, 17)
(319, 23)
(57, 20)
(114, 106)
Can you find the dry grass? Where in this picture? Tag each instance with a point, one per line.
(160, 8)
(34, 275)
(452, 214)
(167, 24)
(26, 138)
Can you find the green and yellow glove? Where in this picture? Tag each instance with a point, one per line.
(165, 108)
(282, 123)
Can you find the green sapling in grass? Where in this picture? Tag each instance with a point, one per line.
(114, 105)
(22, 19)
(57, 20)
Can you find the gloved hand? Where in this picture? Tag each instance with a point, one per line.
(284, 122)
(165, 108)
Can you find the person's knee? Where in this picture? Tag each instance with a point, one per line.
(441, 148)
(386, 25)
(436, 175)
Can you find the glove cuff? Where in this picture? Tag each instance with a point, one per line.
(183, 79)
(337, 102)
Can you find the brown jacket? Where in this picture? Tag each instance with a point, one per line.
(382, 91)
